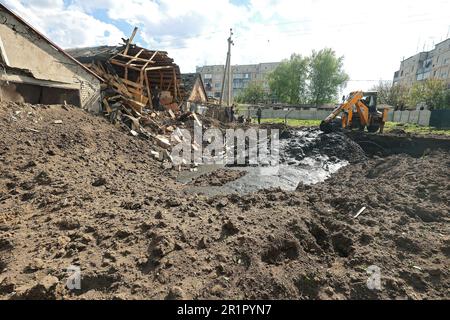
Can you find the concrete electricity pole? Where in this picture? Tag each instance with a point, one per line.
(227, 72)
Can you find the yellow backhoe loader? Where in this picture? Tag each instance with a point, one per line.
(359, 111)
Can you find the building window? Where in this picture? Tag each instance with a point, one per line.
(217, 95)
(208, 76)
(427, 63)
(217, 85)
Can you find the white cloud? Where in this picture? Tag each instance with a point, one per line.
(66, 27)
(373, 36)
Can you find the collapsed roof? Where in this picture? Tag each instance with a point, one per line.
(140, 70)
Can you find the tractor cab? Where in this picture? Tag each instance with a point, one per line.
(359, 111)
(370, 99)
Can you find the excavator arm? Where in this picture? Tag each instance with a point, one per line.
(326, 125)
(359, 112)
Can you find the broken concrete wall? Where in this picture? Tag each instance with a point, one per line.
(41, 61)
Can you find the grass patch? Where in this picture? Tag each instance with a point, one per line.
(407, 127)
(415, 129)
(291, 122)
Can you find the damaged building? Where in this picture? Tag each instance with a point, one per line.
(143, 78)
(42, 73)
(193, 91)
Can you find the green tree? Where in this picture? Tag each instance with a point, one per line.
(254, 93)
(288, 82)
(431, 92)
(393, 95)
(326, 76)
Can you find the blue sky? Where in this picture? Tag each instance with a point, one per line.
(372, 38)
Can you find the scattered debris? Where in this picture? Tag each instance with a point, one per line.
(142, 91)
(360, 212)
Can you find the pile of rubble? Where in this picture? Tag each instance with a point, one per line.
(141, 91)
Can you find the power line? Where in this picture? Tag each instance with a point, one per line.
(431, 17)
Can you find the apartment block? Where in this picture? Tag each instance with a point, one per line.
(242, 75)
(434, 64)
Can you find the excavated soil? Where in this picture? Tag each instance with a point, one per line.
(218, 177)
(85, 193)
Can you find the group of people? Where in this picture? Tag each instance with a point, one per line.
(231, 115)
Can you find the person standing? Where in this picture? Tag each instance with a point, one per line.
(259, 114)
(232, 113)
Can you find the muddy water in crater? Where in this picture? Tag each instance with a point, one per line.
(305, 157)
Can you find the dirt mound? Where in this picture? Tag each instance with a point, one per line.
(86, 193)
(218, 177)
(312, 142)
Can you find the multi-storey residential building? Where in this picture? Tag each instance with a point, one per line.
(242, 75)
(425, 65)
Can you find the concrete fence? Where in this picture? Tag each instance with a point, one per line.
(289, 114)
(420, 117)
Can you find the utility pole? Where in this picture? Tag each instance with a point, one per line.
(227, 72)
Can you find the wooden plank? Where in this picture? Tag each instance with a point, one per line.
(359, 212)
(159, 68)
(134, 91)
(139, 53)
(140, 98)
(120, 88)
(130, 40)
(142, 79)
(120, 85)
(196, 119)
(97, 70)
(121, 64)
(134, 59)
(135, 105)
(154, 55)
(175, 96)
(107, 106)
(149, 92)
(163, 141)
(102, 67)
(131, 83)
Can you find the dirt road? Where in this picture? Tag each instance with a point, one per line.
(77, 191)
